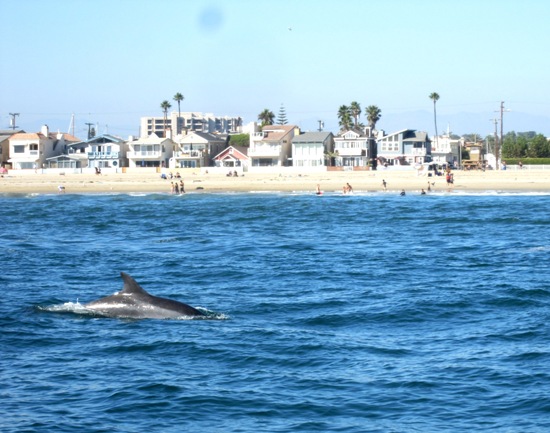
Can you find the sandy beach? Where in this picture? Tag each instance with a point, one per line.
(530, 180)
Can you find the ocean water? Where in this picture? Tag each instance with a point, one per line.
(364, 313)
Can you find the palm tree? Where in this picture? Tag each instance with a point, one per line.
(435, 97)
(355, 111)
(266, 117)
(373, 114)
(165, 105)
(344, 117)
(178, 97)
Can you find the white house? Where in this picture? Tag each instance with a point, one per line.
(152, 151)
(31, 150)
(310, 148)
(352, 149)
(445, 149)
(196, 150)
(272, 146)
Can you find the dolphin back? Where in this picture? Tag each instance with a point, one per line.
(133, 301)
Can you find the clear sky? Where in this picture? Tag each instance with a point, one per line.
(111, 62)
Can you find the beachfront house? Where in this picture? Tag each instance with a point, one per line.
(310, 149)
(351, 149)
(31, 150)
(405, 147)
(233, 159)
(196, 150)
(151, 151)
(446, 149)
(5, 135)
(272, 146)
(102, 151)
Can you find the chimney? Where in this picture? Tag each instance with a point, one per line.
(45, 130)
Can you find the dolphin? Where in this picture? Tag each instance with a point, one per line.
(133, 302)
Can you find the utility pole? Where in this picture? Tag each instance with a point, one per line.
(89, 130)
(499, 145)
(495, 121)
(12, 122)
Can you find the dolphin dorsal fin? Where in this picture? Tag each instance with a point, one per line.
(131, 287)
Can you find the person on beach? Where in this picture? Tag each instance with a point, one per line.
(348, 189)
(422, 192)
(318, 191)
(176, 188)
(429, 187)
(384, 184)
(61, 189)
(402, 192)
(172, 189)
(182, 187)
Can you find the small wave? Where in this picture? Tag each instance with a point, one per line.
(79, 309)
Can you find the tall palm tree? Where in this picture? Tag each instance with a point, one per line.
(165, 105)
(435, 97)
(355, 111)
(178, 97)
(373, 114)
(344, 117)
(266, 117)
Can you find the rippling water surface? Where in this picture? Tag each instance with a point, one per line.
(371, 312)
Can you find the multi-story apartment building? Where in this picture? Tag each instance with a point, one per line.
(189, 121)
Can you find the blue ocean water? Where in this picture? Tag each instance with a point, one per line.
(364, 313)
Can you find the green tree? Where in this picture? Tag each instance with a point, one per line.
(165, 105)
(242, 140)
(435, 97)
(355, 112)
(539, 147)
(373, 114)
(178, 97)
(344, 117)
(281, 117)
(266, 117)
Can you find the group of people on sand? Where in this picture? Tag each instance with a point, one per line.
(177, 187)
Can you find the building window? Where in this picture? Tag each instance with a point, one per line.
(19, 149)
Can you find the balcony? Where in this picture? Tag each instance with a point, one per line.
(188, 154)
(265, 151)
(103, 155)
(145, 154)
(418, 151)
(350, 152)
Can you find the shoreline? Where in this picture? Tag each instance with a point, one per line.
(330, 182)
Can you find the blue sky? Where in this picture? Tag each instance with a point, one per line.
(111, 62)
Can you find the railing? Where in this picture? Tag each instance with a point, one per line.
(350, 152)
(188, 154)
(144, 154)
(418, 152)
(103, 155)
(265, 151)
